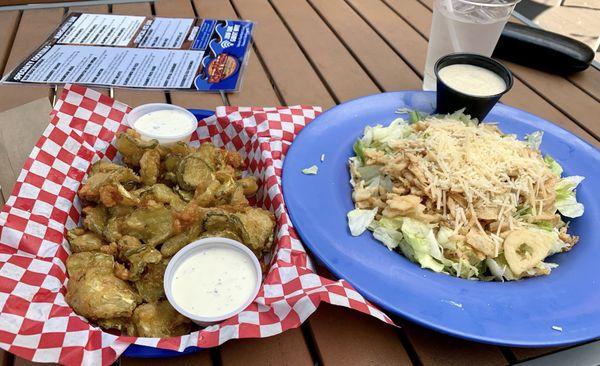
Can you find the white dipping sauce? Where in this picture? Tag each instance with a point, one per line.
(472, 80)
(164, 123)
(213, 282)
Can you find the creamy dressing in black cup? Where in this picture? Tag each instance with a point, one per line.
(468, 90)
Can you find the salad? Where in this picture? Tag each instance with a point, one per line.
(462, 198)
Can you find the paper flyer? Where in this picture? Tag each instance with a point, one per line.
(140, 52)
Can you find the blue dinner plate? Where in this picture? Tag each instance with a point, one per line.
(521, 313)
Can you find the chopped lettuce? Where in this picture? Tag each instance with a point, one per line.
(359, 220)
(390, 237)
(359, 150)
(464, 269)
(499, 268)
(553, 165)
(495, 269)
(522, 211)
(542, 268)
(368, 172)
(388, 231)
(545, 225)
(534, 139)
(443, 237)
(394, 223)
(566, 203)
(415, 116)
(421, 244)
(312, 170)
(461, 116)
(378, 136)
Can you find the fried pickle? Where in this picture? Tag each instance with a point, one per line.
(84, 241)
(175, 243)
(98, 294)
(193, 172)
(125, 244)
(150, 167)
(104, 181)
(150, 285)
(123, 325)
(159, 319)
(138, 215)
(79, 263)
(139, 258)
(132, 147)
(152, 224)
(95, 218)
(258, 226)
(163, 194)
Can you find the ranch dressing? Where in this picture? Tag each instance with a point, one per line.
(164, 123)
(213, 282)
(472, 80)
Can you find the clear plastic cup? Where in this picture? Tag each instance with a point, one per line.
(466, 26)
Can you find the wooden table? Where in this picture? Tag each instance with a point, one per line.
(318, 52)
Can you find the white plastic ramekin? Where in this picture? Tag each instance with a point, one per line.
(196, 247)
(143, 109)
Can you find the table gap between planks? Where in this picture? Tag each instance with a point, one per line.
(316, 52)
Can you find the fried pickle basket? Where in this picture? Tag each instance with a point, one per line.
(35, 321)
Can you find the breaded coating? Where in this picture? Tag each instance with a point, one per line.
(159, 319)
(138, 215)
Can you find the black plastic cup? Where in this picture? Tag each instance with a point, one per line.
(450, 100)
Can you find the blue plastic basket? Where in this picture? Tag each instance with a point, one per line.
(138, 351)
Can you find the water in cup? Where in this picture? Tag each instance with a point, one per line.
(472, 26)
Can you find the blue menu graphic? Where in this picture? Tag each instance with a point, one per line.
(225, 44)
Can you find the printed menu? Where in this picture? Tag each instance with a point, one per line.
(140, 52)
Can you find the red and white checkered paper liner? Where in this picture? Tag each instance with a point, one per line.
(35, 321)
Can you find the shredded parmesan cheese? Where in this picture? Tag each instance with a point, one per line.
(490, 171)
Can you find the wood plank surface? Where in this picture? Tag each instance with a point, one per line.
(9, 21)
(34, 27)
(413, 12)
(131, 96)
(186, 99)
(385, 66)
(520, 96)
(293, 75)
(5, 358)
(344, 76)
(527, 353)
(201, 358)
(347, 337)
(20, 128)
(395, 30)
(309, 53)
(436, 349)
(25, 2)
(589, 81)
(563, 95)
(288, 348)
(18, 361)
(256, 89)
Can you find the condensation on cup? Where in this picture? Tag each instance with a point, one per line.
(472, 26)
